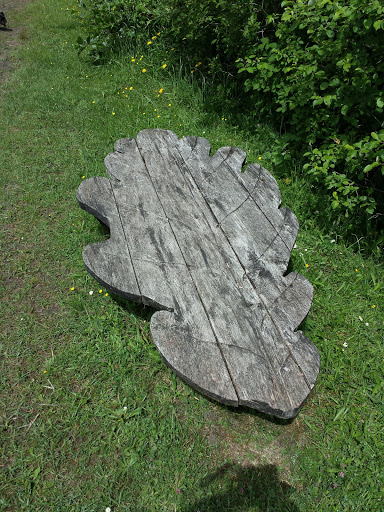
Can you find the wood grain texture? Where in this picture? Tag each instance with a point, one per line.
(207, 245)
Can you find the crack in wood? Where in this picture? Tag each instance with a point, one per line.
(249, 196)
(278, 231)
(126, 242)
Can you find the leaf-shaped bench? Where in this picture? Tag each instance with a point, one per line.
(206, 245)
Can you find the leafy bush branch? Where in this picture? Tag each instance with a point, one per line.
(321, 77)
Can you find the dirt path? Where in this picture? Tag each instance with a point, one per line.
(10, 36)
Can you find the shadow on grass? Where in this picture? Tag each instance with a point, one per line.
(233, 488)
(138, 309)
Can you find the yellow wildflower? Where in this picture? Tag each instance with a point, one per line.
(164, 66)
(144, 70)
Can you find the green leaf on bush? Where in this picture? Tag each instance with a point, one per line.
(380, 103)
(344, 109)
(335, 204)
(369, 167)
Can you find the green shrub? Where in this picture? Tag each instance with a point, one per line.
(320, 76)
(210, 32)
(112, 24)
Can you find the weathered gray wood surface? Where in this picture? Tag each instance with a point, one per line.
(207, 245)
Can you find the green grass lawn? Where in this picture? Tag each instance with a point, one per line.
(91, 417)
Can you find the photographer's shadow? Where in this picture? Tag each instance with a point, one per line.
(245, 489)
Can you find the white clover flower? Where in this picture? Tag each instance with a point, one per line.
(91, 292)
(345, 344)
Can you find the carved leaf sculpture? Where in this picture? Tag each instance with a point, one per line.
(207, 245)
